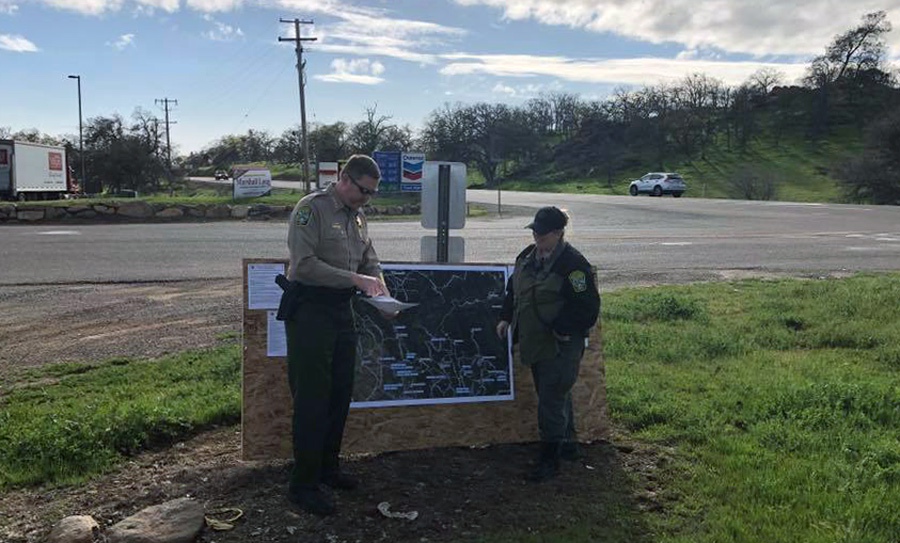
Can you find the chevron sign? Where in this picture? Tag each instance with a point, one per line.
(413, 167)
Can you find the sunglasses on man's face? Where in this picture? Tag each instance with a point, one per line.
(365, 191)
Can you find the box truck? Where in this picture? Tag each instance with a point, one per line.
(32, 171)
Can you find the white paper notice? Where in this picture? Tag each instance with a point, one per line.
(262, 291)
(388, 304)
(276, 339)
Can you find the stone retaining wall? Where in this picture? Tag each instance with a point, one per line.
(140, 211)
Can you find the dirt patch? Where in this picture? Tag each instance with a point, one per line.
(459, 493)
(64, 323)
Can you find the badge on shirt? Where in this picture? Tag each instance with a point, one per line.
(303, 215)
(578, 280)
(359, 226)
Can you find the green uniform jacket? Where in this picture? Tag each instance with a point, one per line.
(328, 241)
(560, 296)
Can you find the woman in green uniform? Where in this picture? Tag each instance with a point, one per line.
(550, 306)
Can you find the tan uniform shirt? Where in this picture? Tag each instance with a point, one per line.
(328, 241)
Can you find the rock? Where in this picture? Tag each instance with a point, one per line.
(89, 214)
(240, 211)
(54, 212)
(136, 210)
(219, 211)
(194, 211)
(30, 215)
(102, 209)
(76, 529)
(176, 521)
(78, 208)
(170, 213)
(259, 209)
(7, 209)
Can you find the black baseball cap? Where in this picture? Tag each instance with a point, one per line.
(548, 219)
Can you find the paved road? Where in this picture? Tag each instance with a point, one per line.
(632, 240)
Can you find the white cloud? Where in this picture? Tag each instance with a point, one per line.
(525, 91)
(637, 71)
(365, 31)
(360, 70)
(764, 27)
(99, 7)
(124, 41)
(17, 44)
(214, 5)
(8, 7)
(222, 31)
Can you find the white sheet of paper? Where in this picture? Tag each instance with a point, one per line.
(388, 304)
(276, 338)
(262, 291)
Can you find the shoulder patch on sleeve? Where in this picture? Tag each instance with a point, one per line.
(303, 214)
(578, 280)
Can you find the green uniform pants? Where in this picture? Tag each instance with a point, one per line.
(321, 346)
(553, 380)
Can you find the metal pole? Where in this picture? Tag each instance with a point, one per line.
(443, 229)
(80, 136)
(81, 139)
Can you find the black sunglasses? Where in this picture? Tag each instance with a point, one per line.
(365, 191)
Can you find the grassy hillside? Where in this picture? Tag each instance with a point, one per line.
(803, 171)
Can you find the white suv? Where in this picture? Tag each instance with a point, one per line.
(658, 183)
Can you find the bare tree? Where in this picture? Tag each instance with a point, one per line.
(365, 136)
(765, 79)
(752, 182)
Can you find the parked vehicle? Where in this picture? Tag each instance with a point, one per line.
(221, 174)
(32, 171)
(657, 184)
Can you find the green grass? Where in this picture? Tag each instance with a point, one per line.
(777, 404)
(64, 422)
(804, 171)
(780, 398)
(190, 193)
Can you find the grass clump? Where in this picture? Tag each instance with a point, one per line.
(780, 399)
(65, 422)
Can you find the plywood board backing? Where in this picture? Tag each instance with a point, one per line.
(266, 410)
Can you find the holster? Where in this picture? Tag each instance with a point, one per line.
(291, 298)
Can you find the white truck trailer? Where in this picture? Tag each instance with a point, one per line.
(32, 171)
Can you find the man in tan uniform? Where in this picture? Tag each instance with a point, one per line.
(331, 257)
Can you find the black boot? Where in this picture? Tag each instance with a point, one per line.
(547, 465)
(312, 500)
(340, 480)
(569, 451)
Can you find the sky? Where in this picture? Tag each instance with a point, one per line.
(222, 62)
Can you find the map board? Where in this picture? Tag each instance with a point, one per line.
(445, 349)
(435, 376)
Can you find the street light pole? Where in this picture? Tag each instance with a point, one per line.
(80, 136)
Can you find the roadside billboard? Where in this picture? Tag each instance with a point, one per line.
(389, 164)
(413, 169)
(327, 174)
(250, 182)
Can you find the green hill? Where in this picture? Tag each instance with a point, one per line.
(801, 170)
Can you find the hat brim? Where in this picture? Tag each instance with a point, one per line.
(539, 230)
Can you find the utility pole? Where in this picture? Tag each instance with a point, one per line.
(165, 102)
(80, 137)
(300, 66)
